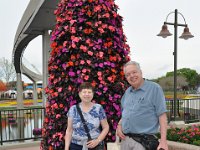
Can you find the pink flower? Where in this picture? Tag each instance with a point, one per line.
(72, 21)
(82, 62)
(86, 77)
(73, 45)
(58, 116)
(100, 78)
(60, 89)
(111, 28)
(99, 73)
(101, 54)
(75, 39)
(90, 53)
(84, 48)
(88, 62)
(84, 70)
(101, 30)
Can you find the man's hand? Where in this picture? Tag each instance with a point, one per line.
(119, 132)
(163, 145)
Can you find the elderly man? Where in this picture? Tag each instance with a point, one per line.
(143, 112)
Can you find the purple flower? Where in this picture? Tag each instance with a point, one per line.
(101, 65)
(116, 106)
(64, 50)
(71, 74)
(78, 71)
(105, 89)
(64, 66)
(112, 65)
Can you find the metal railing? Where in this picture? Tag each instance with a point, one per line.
(188, 110)
(21, 124)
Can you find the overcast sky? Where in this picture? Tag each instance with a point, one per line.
(142, 22)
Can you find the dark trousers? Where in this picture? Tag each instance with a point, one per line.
(75, 147)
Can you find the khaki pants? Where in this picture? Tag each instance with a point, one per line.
(130, 144)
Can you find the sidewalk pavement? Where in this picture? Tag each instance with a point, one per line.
(22, 146)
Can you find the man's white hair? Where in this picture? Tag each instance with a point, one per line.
(132, 63)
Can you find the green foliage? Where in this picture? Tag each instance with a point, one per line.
(196, 142)
(191, 75)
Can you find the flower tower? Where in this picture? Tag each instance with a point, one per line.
(88, 44)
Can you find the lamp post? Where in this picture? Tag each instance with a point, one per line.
(185, 35)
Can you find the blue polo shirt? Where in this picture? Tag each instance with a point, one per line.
(141, 108)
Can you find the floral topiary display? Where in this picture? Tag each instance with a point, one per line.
(88, 44)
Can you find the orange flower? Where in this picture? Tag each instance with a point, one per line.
(55, 94)
(61, 105)
(46, 120)
(89, 23)
(121, 73)
(50, 148)
(102, 102)
(93, 83)
(111, 28)
(87, 31)
(97, 8)
(70, 63)
(108, 44)
(73, 57)
(113, 70)
(53, 45)
(89, 13)
(112, 58)
(107, 15)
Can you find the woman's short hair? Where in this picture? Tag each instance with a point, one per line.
(86, 85)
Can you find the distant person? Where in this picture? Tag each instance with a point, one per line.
(94, 114)
(143, 111)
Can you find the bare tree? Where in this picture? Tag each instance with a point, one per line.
(7, 70)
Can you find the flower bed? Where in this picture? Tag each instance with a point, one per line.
(11, 120)
(37, 131)
(188, 135)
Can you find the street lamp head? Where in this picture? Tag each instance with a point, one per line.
(164, 32)
(186, 34)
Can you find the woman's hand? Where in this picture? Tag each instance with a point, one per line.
(93, 143)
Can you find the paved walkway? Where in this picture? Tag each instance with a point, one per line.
(27, 148)
(22, 146)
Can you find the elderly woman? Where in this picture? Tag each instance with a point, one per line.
(76, 137)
